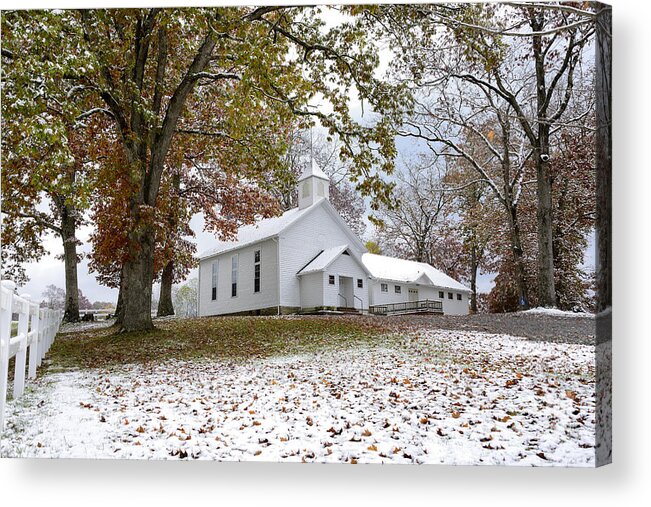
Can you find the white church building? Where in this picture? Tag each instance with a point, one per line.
(309, 260)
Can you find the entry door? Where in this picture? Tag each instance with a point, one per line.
(413, 294)
(346, 292)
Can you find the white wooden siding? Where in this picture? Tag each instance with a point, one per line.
(299, 244)
(246, 299)
(345, 265)
(312, 290)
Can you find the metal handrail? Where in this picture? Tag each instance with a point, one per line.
(361, 303)
(426, 305)
(345, 300)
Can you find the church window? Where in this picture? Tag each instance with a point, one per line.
(234, 267)
(256, 271)
(215, 270)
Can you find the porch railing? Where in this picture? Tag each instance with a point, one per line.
(423, 306)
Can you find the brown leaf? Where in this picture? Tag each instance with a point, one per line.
(571, 395)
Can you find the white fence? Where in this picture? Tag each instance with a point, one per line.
(36, 330)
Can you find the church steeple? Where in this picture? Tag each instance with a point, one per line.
(313, 185)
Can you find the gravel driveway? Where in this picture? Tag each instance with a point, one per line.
(535, 327)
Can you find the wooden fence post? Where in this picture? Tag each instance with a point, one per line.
(21, 355)
(34, 338)
(41, 335)
(6, 308)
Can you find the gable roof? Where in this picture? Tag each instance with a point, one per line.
(264, 229)
(401, 270)
(323, 259)
(326, 257)
(313, 170)
(272, 227)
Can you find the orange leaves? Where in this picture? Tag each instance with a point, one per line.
(366, 433)
(372, 447)
(456, 414)
(572, 395)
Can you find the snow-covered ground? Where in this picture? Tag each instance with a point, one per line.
(453, 397)
(555, 312)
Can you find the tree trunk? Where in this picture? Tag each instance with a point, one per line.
(68, 227)
(604, 158)
(546, 285)
(546, 288)
(165, 305)
(473, 279)
(137, 276)
(119, 306)
(518, 254)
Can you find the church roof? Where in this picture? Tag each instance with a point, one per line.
(264, 229)
(313, 169)
(323, 259)
(401, 270)
(272, 227)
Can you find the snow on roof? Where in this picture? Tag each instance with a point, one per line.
(262, 230)
(313, 170)
(401, 270)
(323, 260)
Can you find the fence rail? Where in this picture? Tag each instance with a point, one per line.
(422, 306)
(32, 338)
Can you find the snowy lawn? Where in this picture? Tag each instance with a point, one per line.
(452, 397)
(555, 312)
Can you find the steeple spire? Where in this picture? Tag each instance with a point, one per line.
(313, 185)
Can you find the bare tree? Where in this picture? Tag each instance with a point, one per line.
(526, 57)
(409, 227)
